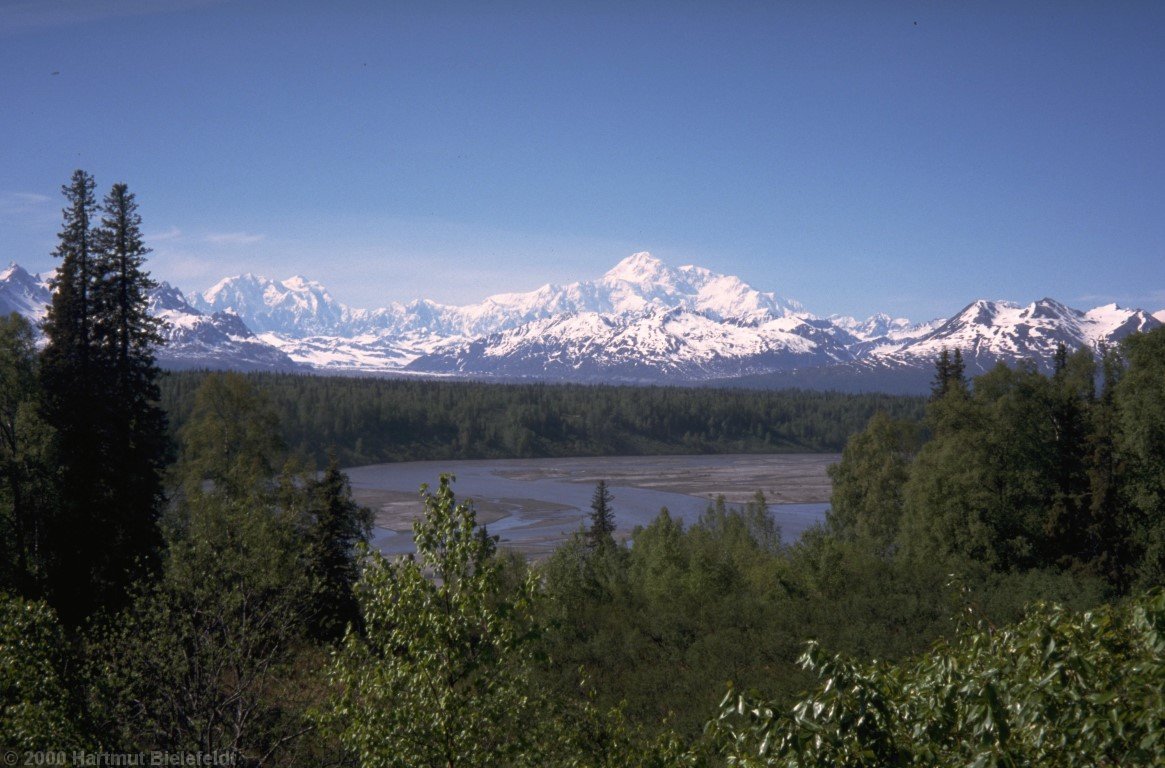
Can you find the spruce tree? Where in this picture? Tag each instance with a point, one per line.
(602, 528)
(126, 335)
(99, 385)
(950, 374)
(72, 534)
(337, 525)
(942, 375)
(958, 372)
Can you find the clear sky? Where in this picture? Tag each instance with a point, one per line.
(856, 156)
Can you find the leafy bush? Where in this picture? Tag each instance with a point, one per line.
(1058, 689)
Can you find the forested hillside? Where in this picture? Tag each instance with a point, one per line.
(368, 420)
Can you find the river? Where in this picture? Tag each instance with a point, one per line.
(535, 504)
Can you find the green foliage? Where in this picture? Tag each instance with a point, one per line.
(37, 711)
(659, 626)
(193, 665)
(440, 676)
(200, 659)
(1017, 474)
(1139, 400)
(26, 468)
(1058, 689)
(230, 442)
(444, 672)
(868, 483)
(369, 420)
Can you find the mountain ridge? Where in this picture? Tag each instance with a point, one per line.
(642, 321)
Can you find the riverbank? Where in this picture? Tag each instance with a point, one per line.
(536, 504)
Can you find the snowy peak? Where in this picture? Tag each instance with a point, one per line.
(1111, 321)
(883, 327)
(992, 331)
(652, 346)
(167, 298)
(295, 306)
(300, 308)
(641, 281)
(23, 293)
(641, 268)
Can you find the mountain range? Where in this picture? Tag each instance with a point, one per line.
(641, 322)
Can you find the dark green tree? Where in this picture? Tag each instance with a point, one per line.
(1072, 401)
(1140, 444)
(100, 396)
(337, 525)
(127, 333)
(942, 375)
(82, 565)
(208, 657)
(25, 467)
(949, 375)
(125, 336)
(1110, 552)
(68, 324)
(602, 528)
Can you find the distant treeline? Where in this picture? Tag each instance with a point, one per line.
(379, 420)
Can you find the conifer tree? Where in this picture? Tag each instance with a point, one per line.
(67, 323)
(950, 374)
(126, 335)
(99, 384)
(602, 528)
(70, 404)
(337, 525)
(942, 375)
(959, 371)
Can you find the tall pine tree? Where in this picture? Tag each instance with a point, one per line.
(99, 384)
(602, 528)
(126, 335)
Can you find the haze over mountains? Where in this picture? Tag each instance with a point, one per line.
(641, 322)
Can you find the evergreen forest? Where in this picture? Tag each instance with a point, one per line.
(185, 577)
(375, 420)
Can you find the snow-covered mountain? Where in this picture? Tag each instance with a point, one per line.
(881, 327)
(299, 308)
(990, 331)
(24, 293)
(642, 321)
(296, 306)
(220, 340)
(655, 344)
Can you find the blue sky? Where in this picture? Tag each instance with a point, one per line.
(864, 156)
